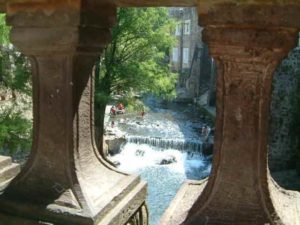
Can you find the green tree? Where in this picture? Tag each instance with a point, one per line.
(14, 66)
(15, 131)
(4, 32)
(15, 128)
(136, 60)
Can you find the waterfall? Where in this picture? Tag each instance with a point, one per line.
(164, 147)
(186, 145)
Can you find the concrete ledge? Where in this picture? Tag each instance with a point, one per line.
(4, 161)
(183, 201)
(116, 208)
(9, 172)
(132, 204)
(123, 211)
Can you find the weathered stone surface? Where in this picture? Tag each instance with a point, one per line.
(249, 13)
(65, 180)
(140, 217)
(120, 3)
(8, 171)
(183, 201)
(169, 159)
(247, 40)
(114, 143)
(284, 134)
(114, 146)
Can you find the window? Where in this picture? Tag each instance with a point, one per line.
(175, 55)
(187, 26)
(178, 30)
(185, 55)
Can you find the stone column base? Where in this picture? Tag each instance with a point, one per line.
(121, 211)
(286, 203)
(178, 210)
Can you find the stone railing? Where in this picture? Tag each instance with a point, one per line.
(66, 181)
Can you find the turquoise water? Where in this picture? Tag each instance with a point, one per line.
(163, 180)
(164, 133)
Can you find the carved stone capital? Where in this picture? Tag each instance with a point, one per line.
(249, 24)
(61, 27)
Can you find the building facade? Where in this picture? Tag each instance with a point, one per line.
(188, 35)
(190, 56)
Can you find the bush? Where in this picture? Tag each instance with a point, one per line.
(15, 131)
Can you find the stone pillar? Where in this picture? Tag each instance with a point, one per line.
(248, 41)
(65, 180)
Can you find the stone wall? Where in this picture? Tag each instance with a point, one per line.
(200, 75)
(285, 115)
(205, 71)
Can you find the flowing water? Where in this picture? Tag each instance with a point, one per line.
(164, 147)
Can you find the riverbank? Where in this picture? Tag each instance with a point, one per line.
(191, 124)
(165, 147)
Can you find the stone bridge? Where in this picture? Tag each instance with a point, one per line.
(66, 181)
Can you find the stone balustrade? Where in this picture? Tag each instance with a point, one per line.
(66, 181)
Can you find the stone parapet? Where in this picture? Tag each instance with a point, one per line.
(179, 208)
(66, 181)
(8, 170)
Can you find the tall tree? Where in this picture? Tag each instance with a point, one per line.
(4, 31)
(15, 128)
(14, 66)
(136, 59)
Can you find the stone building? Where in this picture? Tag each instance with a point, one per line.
(188, 35)
(190, 56)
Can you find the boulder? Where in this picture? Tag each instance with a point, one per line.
(167, 160)
(140, 152)
(114, 145)
(207, 148)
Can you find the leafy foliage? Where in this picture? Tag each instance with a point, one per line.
(4, 31)
(136, 60)
(15, 71)
(15, 131)
(15, 128)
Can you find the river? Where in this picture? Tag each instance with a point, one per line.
(164, 147)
